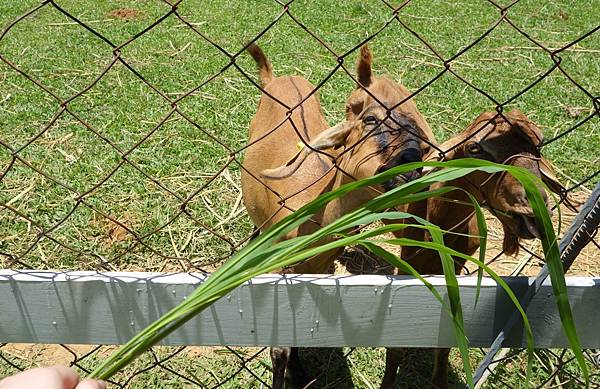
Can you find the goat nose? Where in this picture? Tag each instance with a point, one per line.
(410, 155)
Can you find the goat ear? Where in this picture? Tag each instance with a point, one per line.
(483, 118)
(355, 104)
(332, 137)
(476, 126)
(363, 66)
(526, 127)
(555, 186)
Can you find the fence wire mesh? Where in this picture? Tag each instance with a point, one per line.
(124, 127)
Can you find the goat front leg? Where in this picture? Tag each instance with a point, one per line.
(287, 359)
(440, 368)
(279, 359)
(393, 357)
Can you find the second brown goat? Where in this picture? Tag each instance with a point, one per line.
(510, 139)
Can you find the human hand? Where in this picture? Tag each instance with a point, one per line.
(55, 377)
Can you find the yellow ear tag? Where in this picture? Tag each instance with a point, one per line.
(300, 146)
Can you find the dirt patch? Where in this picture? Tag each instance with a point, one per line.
(124, 13)
(116, 233)
(33, 354)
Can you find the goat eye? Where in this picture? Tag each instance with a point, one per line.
(473, 148)
(370, 120)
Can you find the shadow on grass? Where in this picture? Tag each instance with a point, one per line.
(416, 367)
(326, 367)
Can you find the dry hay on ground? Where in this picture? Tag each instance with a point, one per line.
(357, 261)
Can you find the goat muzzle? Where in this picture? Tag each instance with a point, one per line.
(405, 156)
(527, 227)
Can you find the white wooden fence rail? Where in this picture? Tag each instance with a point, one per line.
(366, 310)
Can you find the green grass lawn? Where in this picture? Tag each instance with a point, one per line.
(66, 58)
(181, 158)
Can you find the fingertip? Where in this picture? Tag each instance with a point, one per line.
(68, 375)
(52, 377)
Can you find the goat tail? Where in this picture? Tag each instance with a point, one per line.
(264, 66)
(363, 66)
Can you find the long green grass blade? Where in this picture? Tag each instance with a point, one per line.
(555, 267)
(266, 253)
(455, 306)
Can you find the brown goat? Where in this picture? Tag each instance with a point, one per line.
(511, 140)
(276, 173)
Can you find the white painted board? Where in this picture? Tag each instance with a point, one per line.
(304, 310)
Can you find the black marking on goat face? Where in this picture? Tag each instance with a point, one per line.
(409, 149)
(395, 126)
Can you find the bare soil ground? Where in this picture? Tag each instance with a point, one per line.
(587, 263)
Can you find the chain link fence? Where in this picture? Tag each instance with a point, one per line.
(124, 126)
